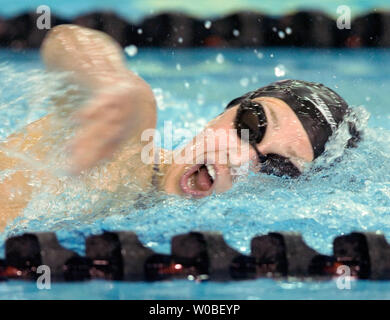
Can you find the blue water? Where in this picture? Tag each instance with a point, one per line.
(191, 87)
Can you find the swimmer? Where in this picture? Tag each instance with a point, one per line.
(288, 124)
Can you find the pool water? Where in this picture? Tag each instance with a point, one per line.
(192, 87)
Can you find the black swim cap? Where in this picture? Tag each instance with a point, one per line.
(320, 109)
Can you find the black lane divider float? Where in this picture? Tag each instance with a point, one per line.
(309, 28)
(195, 256)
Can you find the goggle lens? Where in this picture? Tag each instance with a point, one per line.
(251, 116)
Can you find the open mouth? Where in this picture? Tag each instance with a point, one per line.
(199, 180)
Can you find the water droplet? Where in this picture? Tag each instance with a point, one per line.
(280, 70)
(186, 84)
(220, 58)
(274, 29)
(288, 30)
(159, 96)
(236, 32)
(281, 35)
(178, 67)
(244, 82)
(207, 24)
(368, 98)
(200, 99)
(140, 31)
(271, 55)
(259, 55)
(180, 40)
(131, 50)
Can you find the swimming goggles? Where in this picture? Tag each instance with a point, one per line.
(251, 116)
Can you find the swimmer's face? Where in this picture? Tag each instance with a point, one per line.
(212, 157)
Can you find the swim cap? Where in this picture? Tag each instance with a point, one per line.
(319, 109)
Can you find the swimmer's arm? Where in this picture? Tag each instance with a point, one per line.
(122, 104)
(93, 58)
